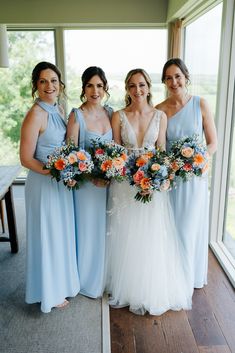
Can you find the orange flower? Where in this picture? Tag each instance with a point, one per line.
(175, 166)
(149, 154)
(198, 159)
(81, 156)
(145, 183)
(106, 165)
(142, 160)
(124, 156)
(60, 164)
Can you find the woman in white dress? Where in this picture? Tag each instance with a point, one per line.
(145, 266)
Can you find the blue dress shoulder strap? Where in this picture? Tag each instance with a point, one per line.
(82, 126)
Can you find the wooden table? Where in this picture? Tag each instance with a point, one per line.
(7, 175)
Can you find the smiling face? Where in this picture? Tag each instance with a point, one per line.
(175, 80)
(137, 88)
(94, 90)
(48, 86)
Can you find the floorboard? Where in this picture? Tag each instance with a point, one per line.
(208, 328)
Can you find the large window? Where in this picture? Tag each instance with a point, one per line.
(26, 49)
(202, 51)
(116, 51)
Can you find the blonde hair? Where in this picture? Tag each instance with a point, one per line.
(147, 79)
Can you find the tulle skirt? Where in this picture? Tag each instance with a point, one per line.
(145, 261)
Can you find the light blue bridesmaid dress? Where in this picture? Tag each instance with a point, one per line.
(190, 200)
(51, 271)
(90, 216)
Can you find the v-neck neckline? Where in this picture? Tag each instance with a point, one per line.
(146, 131)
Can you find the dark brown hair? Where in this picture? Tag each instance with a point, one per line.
(44, 65)
(88, 74)
(181, 65)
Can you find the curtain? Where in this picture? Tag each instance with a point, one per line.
(175, 49)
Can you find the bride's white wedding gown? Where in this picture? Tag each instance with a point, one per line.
(145, 263)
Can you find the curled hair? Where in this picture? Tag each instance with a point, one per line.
(44, 65)
(181, 65)
(88, 74)
(147, 79)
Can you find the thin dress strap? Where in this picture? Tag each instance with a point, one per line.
(82, 127)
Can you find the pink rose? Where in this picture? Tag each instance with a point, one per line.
(82, 166)
(138, 176)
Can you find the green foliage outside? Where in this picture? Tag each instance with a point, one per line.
(25, 51)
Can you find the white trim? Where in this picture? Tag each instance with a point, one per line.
(225, 111)
(225, 259)
(33, 26)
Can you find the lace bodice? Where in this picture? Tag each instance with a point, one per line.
(128, 135)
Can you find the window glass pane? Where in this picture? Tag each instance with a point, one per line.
(116, 51)
(202, 50)
(229, 229)
(26, 49)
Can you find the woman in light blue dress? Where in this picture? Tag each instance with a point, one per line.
(188, 115)
(51, 273)
(91, 121)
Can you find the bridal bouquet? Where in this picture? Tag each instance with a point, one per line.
(68, 163)
(109, 160)
(148, 172)
(189, 157)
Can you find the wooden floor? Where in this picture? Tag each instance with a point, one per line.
(208, 328)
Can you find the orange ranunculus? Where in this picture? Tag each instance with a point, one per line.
(142, 160)
(175, 166)
(198, 159)
(106, 165)
(81, 156)
(118, 162)
(145, 183)
(124, 156)
(72, 158)
(138, 176)
(155, 167)
(149, 154)
(60, 164)
(187, 152)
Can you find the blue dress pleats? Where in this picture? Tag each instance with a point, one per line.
(90, 214)
(51, 271)
(190, 200)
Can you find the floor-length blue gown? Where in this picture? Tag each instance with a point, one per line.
(190, 200)
(90, 215)
(51, 271)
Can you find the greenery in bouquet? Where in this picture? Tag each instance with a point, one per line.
(189, 157)
(150, 171)
(70, 163)
(109, 160)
